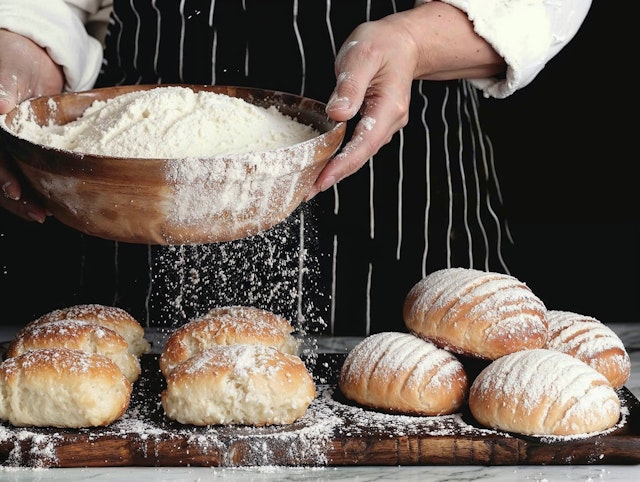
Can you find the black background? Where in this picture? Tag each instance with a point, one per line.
(566, 148)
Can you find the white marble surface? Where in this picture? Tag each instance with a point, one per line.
(629, 333)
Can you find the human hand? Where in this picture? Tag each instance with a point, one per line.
(26, 71)
(376, 66)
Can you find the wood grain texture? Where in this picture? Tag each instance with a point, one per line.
(336, 433)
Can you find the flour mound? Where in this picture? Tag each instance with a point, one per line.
(168, 122)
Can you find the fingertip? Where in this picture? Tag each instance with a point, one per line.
(37, 216)
(11, 191)
(312, 193)
(327, 183)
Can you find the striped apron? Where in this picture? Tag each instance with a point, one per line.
(343, 262)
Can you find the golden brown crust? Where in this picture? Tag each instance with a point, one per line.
(111, 317)
(59, 387)
(245, 384)
(543, 392)
(475, 313)
(589, 340)
(77, 335)
(227, 326)
(399, 372)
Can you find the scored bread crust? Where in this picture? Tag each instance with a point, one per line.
(402, 373)
(243, 384)
(591, 341)
(543, 392)
(77, 335)
(58, 387)
(111, 317)
(227, 325)
(475, 313)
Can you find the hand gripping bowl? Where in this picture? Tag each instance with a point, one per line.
(173, 201)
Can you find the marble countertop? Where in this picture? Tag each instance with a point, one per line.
(629, 333)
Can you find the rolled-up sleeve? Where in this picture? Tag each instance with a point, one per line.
(59, 28)
(526, 33)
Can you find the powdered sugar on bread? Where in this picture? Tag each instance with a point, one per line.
(58, 387)
(477, 313)
(111, 317)
(589, 340)
(543, 392)
(402, 373)
(77, 335)
(227, 325)
(244, 384)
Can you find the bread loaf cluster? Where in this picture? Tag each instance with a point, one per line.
(72, 367)
(236, 365)
(546, 372)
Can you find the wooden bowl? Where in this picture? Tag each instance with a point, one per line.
(174, 201)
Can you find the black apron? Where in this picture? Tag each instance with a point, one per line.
(342, 263)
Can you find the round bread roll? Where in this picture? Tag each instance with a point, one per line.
(591, 341)
(399, 372)
(77, 335)
(227, 325)
(475, 313)
(543, 392)
(111, 317)
(243, 384)
(58, 387)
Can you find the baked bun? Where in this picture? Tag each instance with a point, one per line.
(475, 313)
(243, 384)
(58, 387)
(77, 335)
(591, 341)
(227, 325)
(543, 392)
(399, 372)
(111, 317)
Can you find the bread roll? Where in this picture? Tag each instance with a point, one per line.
(111, 317)
(543, 392)
(243, 384)
(591, 341)
(399, 372)
(58, 387)
(77, 335)
(475, 313)
(227, 326)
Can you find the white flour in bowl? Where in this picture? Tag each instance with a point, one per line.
(167, 122)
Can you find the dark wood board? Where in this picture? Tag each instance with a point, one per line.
(334, 432)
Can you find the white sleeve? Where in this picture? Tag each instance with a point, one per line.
(58, 28)
(526, 33)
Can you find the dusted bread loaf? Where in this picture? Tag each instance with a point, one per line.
(399, 372)
(543, 392)
(58, 387)
(476, 313)
(77, 335)
(243, 384)
(111, 317)
(592, 342)
(227, 325)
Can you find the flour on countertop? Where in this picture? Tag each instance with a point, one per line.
(168, 122)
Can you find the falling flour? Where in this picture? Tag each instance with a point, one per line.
(167, 122)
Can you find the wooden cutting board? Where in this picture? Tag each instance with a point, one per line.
(333, 432)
